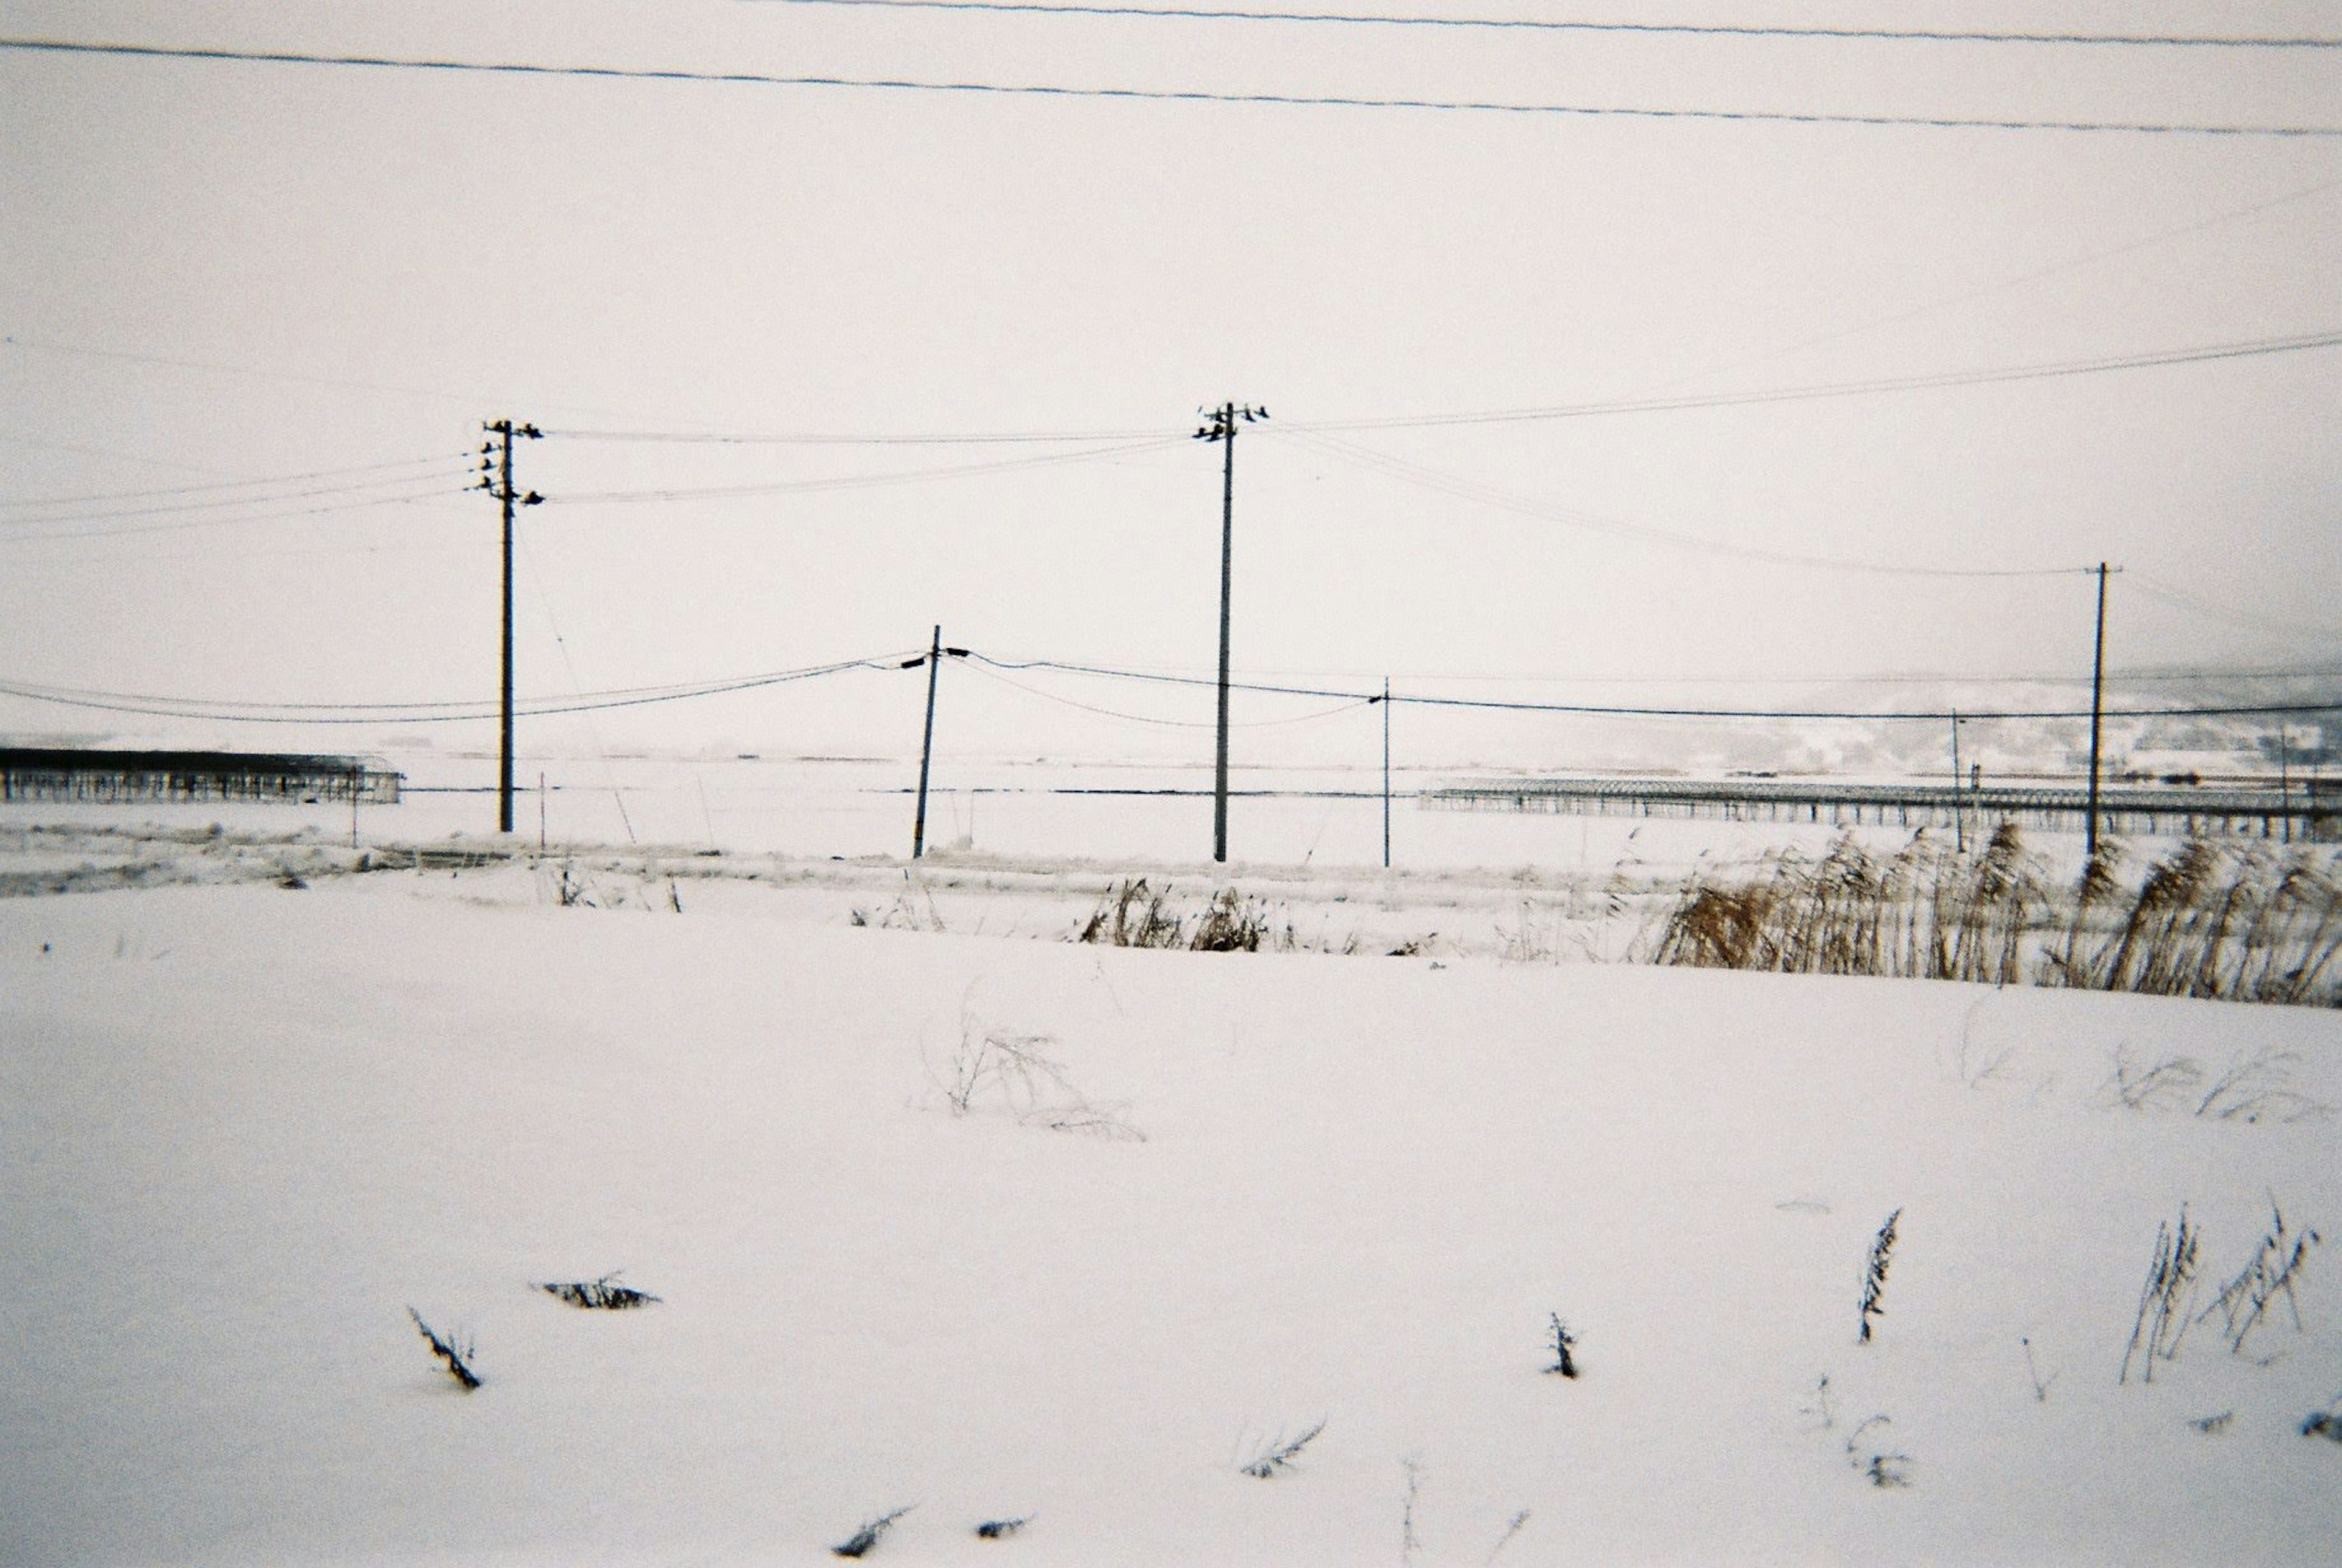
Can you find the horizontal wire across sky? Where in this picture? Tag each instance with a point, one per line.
(1302, 100)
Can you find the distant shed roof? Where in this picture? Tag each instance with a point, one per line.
(80, 758)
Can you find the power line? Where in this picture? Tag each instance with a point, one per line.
(1492, 495)
(1168, 96)
(2326, 337)
(235, 483)
(1540, 25)
(405, 713)
(219, 503)
(469, 710)
(993, 672)
(864, 481)
(68, 535)
(1627, 710)
(2001, 285)
(725, 438)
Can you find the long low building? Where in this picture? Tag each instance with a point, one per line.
(73, 773)
(2311, 809)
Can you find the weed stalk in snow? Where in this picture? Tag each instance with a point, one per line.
(1562, 1339)
(2276, 1264)
(2165, 1300)
(1874, 1275)
(1277, 1455)
(455, 1350)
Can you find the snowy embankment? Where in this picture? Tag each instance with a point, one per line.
(245, 1128)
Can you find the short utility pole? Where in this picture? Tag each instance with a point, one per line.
(496, 479)
(1385, 701)
(1959, 821)
(933, 658)
(1221, 426)
(2098, 688)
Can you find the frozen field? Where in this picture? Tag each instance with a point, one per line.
(243, 1128)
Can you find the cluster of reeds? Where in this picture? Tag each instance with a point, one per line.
(2243, 923)
(2210, 920)
(1924, 912)
(1134, 914)
(2167, 1301)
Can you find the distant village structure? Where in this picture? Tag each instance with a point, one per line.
(32, 772)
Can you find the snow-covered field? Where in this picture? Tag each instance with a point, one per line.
(244, 1127)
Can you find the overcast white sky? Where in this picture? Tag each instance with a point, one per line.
(215, 272)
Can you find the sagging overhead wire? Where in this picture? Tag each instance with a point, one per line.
(865, 481)
(993, 672)
(1600, 710)
(1555, 24)
(1486, 495)
(70, 535)
(216, 486)
(2324, 337)
(462, 712)
(1171, 94)
(270, 497)
(800, 438)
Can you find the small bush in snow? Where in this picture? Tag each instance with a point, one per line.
(1013, 1073)
(1001, 1529)
(914, 909)
(2327, 1423)
(1880, 1468)
(604, 1294)
(861, 1543)
(1874, 1275)
(2213, 1425)
(455, 1350)
(1277, 1454)
(2167, 1301)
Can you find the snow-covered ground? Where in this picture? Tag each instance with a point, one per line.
(244, 1127)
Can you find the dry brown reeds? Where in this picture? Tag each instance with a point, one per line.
(2214, 920)
(1923, 911)
(2242, 923)
(1133, 914)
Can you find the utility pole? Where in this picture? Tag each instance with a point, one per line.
(1959, 818)
(496, 478)
(933, 659)
(2284, 782)
(2098, 688)
(1385, 773)
(1221, 426)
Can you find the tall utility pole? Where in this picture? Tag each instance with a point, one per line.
(1221, 426)
(933, 659)
(496, 478)
(2098, 688)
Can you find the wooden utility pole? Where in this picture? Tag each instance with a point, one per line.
(1221, 427)
(2097, 689)
(933, 659)
(1959, 818)
(2284, 782)
(1385, 773)
(496, 478)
